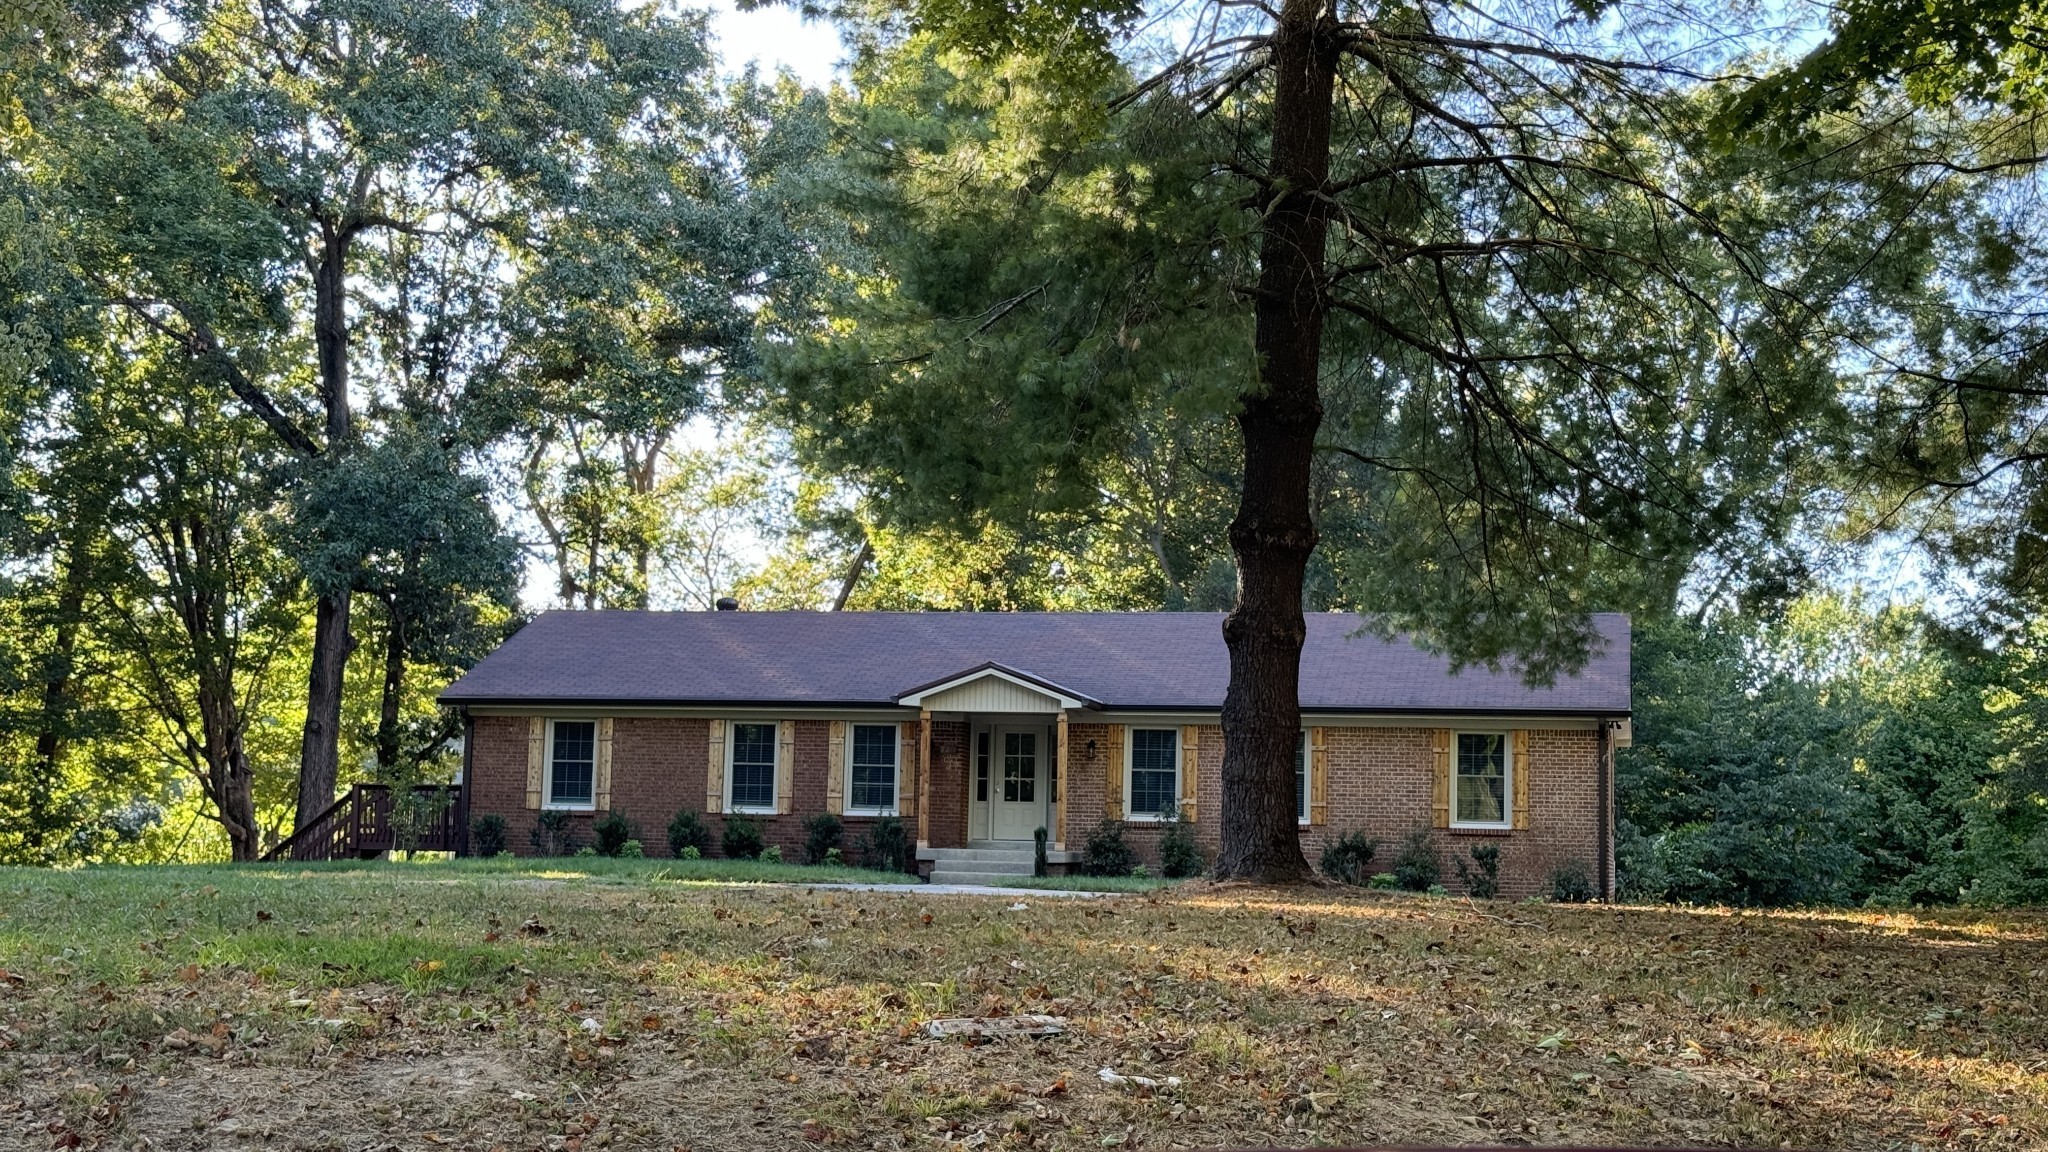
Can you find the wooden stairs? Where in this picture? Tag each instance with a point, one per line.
(359, 826)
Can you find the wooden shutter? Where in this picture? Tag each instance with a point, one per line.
(1440, 791)
(1190, 770)
(1519, 769)
(785, 767)
(1318, 776)
(907, 765)
(601, 798)
(714, 768)
(1113, 775)
(536, 757)
(835, 769)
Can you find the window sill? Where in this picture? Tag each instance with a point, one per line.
(1145, 818)
(872, 813)
(591, 807)
(736, 811)
(1482, 829)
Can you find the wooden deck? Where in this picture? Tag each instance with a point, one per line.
(360, 826)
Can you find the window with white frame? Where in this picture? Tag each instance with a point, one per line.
(1154, 783)
(872, 773)
(1481, 781)
(572, 763)
(1301, 777)
(752, 768)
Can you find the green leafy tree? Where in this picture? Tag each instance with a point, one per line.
(239, 176)
(1484, 308)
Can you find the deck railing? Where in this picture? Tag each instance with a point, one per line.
(361, 824)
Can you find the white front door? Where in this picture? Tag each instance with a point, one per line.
(1018, 790)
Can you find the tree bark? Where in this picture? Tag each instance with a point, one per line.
(57, 703)
(320, 744)
(851, 580)
(1274, 530)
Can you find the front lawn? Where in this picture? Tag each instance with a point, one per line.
(571, 1005)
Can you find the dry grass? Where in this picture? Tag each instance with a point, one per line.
(407, 1007)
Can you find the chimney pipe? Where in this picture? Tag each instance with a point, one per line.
(728, 604)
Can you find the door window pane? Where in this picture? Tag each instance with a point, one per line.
(1020, 767)
(753, 765)
(981, 768)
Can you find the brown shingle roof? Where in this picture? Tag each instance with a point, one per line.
(1125, 660)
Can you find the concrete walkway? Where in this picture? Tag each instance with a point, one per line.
(1025, 894)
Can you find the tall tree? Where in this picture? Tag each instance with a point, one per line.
(305, 133)
(1572, 351)
(641, 313)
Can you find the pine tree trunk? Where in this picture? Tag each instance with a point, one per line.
(320, 744)
(1274, 530)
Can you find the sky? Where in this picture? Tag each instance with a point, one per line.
(776, 37)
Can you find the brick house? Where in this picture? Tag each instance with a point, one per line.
(977, 729)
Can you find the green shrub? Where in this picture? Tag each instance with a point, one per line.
(612, 830)
(1106, 853)
(686, 830)
(551, 836)
(1482, 880)
(834, 858)
(632, 850)
(1384, 881)
(1438, 890)
(586, 852)
(1348, 858)
(1571, 883)
(487, 835)
(1179, 855)
(743, 839)
(821, 835)
(772, 854)
(1140, 872)
(690, 852)
(1417, 867)
(885, 846)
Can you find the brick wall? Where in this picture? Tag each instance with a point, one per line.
(948, 825)
(658, 769)
(1380, 782)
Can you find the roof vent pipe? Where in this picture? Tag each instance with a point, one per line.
(728, 604)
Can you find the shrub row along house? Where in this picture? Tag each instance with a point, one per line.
(976, 730)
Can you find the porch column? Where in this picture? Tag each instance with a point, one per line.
(924, 778)
(1060, 783)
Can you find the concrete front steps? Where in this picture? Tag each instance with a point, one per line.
(981, 862)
